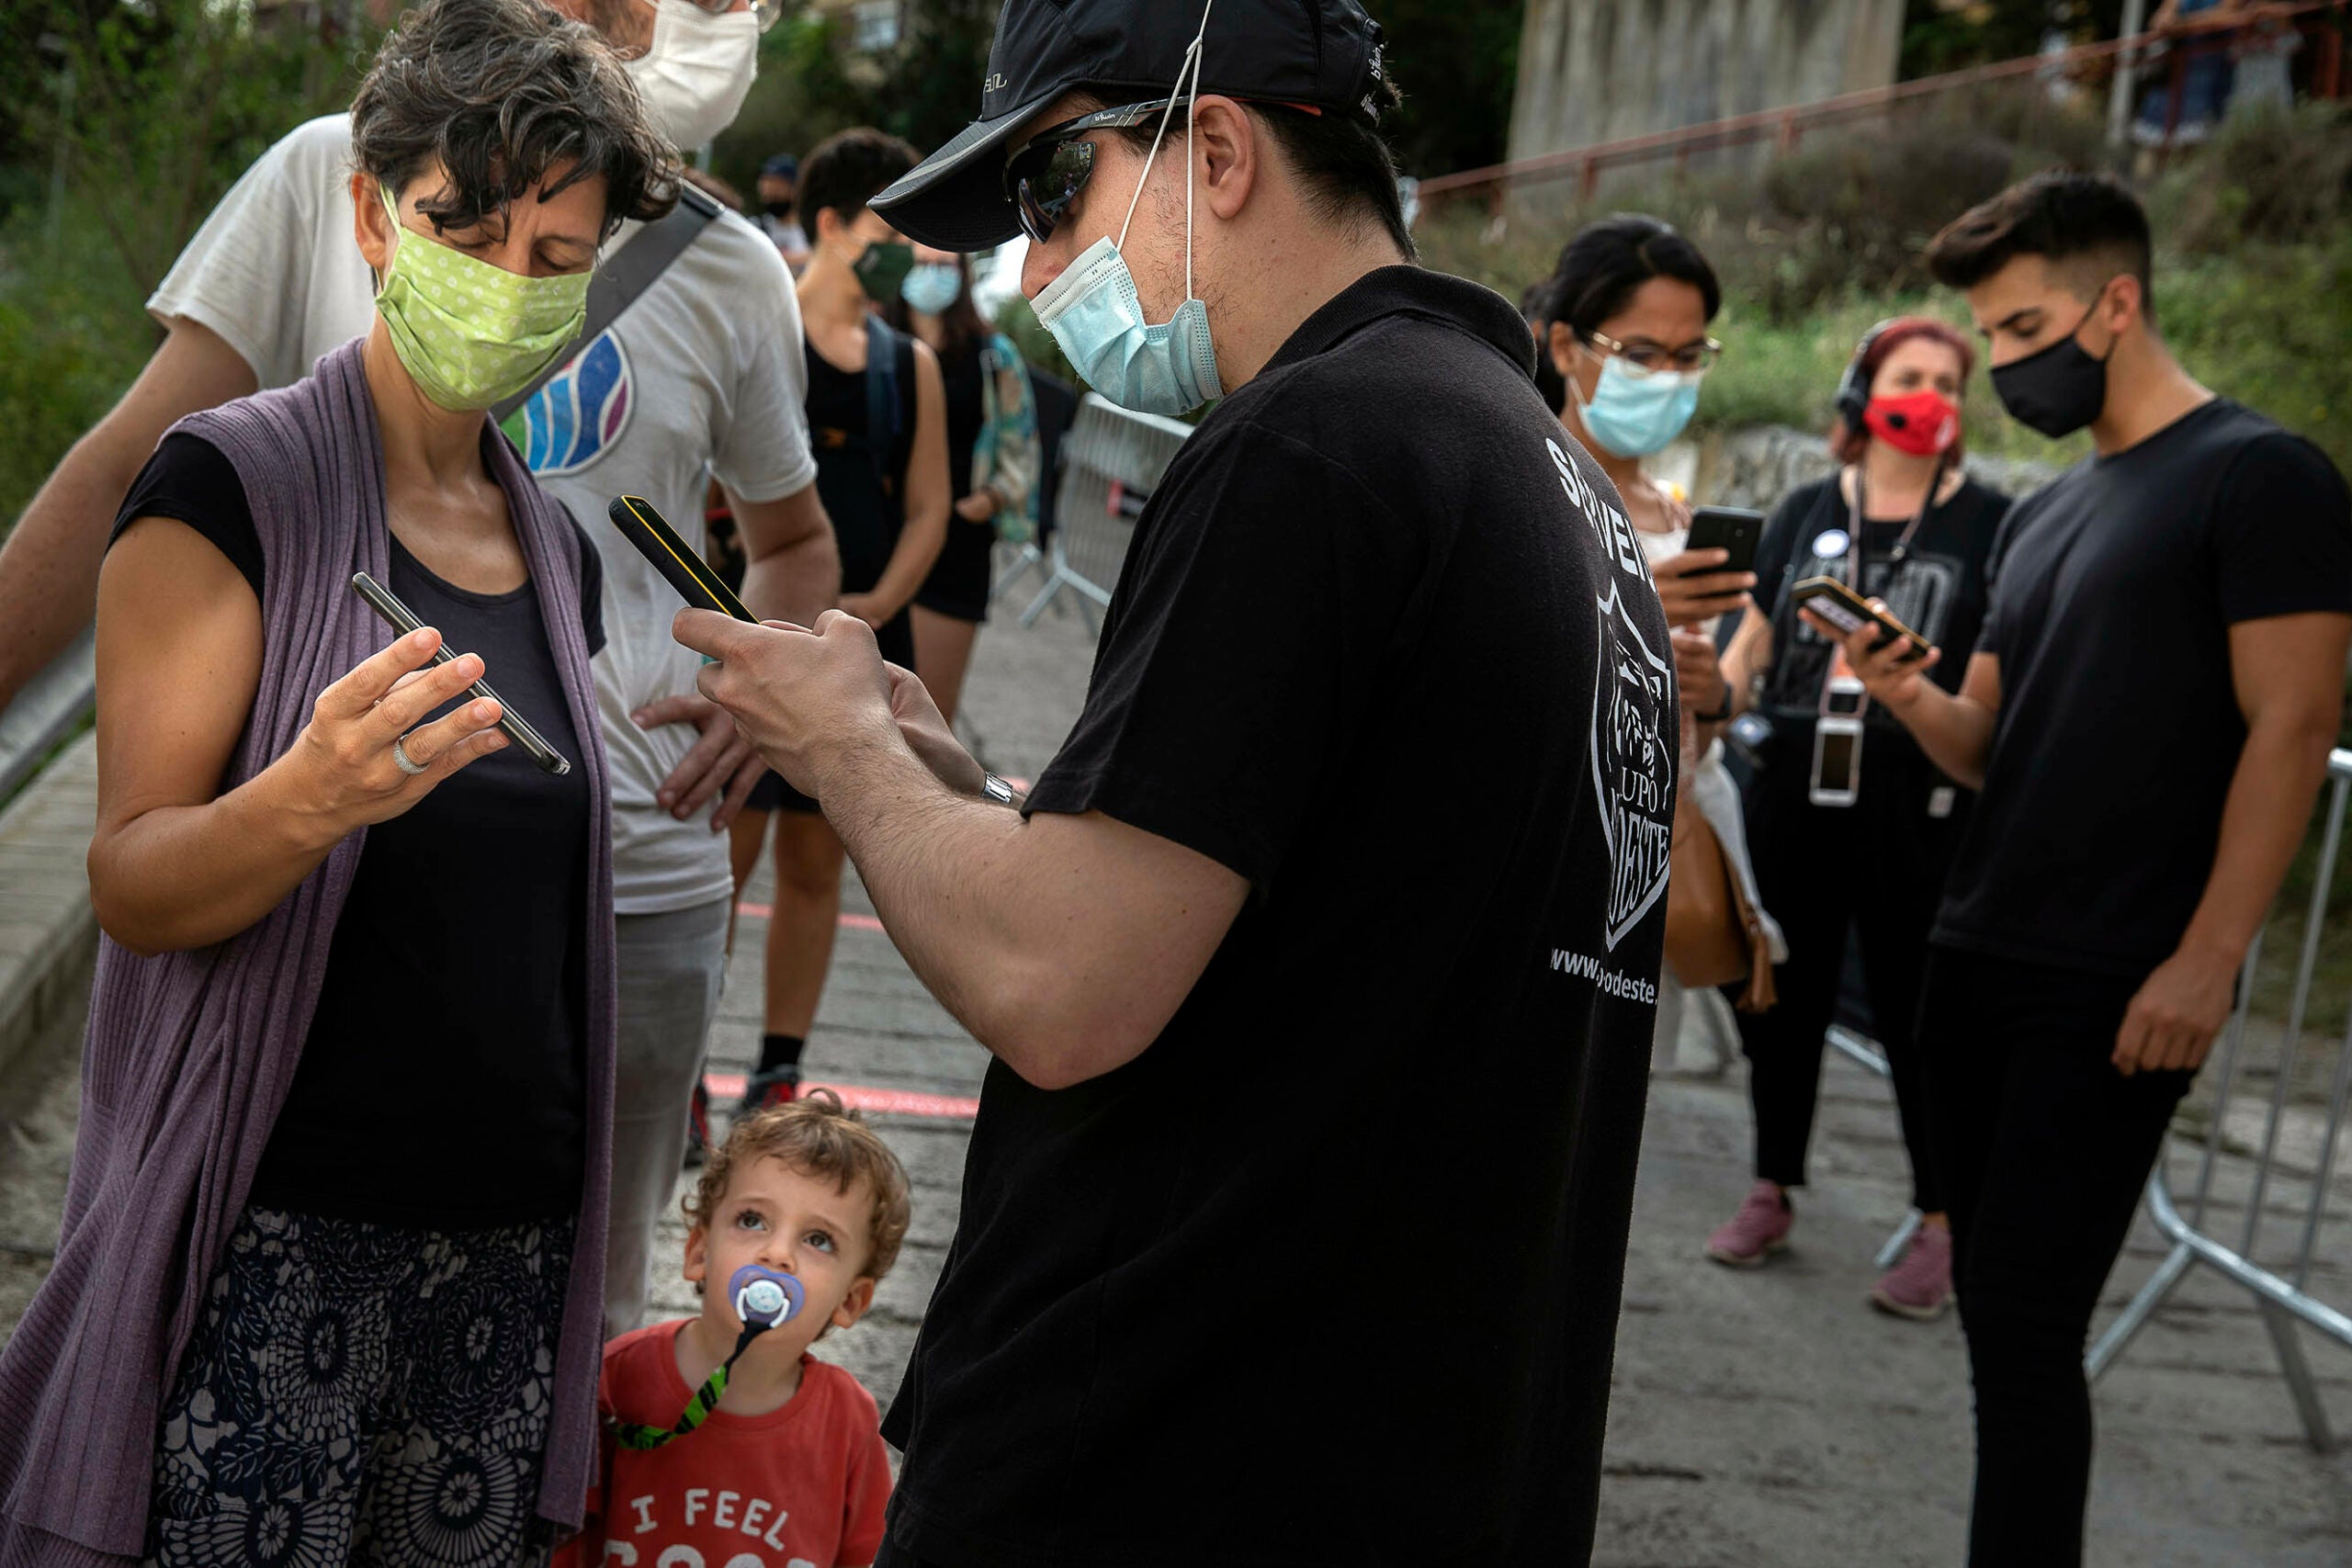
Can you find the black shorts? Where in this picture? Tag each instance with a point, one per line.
(959, 580)
(771, 794)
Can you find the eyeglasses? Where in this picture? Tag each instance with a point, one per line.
(1053, 166)
(765, 12)
(1649, 359)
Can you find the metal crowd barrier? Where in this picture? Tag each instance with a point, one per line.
(2280, 1287)
(1872, 1055)
(46, 711)
(1112, 459)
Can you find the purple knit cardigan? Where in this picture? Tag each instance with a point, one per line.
(189, 1054)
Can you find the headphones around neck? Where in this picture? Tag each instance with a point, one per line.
(1854, 386)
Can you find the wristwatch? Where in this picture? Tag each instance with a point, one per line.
(996, 789)
(1723, 709)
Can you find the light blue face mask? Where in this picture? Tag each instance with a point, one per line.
(1094, 314)
(931, 288)
(1633, 415)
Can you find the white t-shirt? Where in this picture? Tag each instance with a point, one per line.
(702, 374)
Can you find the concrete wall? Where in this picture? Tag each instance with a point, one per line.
(1595, 71)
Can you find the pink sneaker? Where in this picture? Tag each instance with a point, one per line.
(1759, 1229)
(1919, 1287)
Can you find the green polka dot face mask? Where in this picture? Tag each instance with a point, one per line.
(472, 334)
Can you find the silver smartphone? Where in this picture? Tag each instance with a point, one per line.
(403, 620)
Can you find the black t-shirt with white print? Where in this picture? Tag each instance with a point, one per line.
(1938, 589)
(1331, 1273)
(2115, 588)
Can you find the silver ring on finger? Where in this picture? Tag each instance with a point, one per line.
(402, 760)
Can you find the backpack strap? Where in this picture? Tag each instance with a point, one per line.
(883, 345)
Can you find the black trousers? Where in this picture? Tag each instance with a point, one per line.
(2041, 1149)
(1877, 868)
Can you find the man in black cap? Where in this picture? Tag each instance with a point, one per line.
(1319, 967)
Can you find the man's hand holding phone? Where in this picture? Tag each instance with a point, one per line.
(1890, 669)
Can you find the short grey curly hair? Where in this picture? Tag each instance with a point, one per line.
(499, 92)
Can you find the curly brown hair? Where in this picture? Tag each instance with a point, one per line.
(499, 92)
(820, 1137)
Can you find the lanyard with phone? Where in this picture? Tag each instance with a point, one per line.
(1838, 733)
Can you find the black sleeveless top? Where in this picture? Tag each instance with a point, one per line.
(861, 479)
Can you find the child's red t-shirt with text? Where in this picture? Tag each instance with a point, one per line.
(803, 1486)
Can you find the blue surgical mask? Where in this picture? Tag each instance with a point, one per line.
(931, 288)
(1094, 314)
(1633, 415)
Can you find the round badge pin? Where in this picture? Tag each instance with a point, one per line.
(1830, 544)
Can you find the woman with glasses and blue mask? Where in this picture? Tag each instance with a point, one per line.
(349, 928)
(1622, 323)
(992, 457)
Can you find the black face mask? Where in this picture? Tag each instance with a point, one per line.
(779, 210)
(2058, 390)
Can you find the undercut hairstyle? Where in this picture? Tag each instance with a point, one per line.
(1605, 262)
(500, 93)
(1341, 164)
(849, 169)
(825, 1141)
(2088, 228)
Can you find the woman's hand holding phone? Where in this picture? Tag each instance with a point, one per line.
(1695, 588)
(341, 763)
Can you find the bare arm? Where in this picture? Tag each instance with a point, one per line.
(792, 567)
(1748, 657)
(1064, 944)
(49, 567)
(2288, 672)
(176, 863)
(927, 501)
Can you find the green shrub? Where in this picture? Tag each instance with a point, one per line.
(73, 334)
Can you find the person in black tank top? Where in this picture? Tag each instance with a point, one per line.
(877, 421)
(992, 462)
(1899, 521)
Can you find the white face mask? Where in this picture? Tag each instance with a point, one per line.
(695, 75)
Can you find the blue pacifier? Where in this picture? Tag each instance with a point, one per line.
(764, 1298)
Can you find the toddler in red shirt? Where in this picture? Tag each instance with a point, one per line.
(789, 1471)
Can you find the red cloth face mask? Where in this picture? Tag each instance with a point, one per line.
(1922, 422)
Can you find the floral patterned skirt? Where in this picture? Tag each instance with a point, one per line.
(361, 1393)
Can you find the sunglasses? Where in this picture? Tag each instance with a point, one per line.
(1053, 166)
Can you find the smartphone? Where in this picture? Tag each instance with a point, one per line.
(1732, 528)
(403, 620)
(1836, 760)
(1849, 611)
(698, 582)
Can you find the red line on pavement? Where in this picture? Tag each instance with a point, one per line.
(859, 1097)
(852, 922)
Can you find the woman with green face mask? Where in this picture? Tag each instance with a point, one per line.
(350, 1059)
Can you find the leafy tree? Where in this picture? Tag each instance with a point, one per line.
(1942, 35)
(1456, 63)
(159, 105)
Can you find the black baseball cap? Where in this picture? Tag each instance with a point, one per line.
(1323, 54)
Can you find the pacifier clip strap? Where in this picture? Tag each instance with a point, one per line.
(629, 1434)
